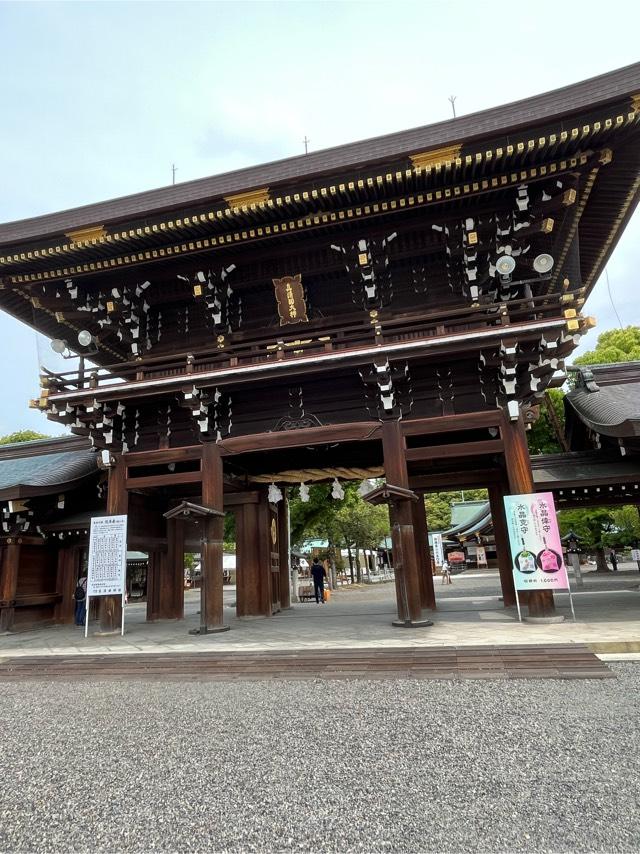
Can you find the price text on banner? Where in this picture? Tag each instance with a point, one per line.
(534, 540)
(107, 556)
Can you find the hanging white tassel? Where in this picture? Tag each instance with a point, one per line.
(304, 493)
(275, 493)
(337, 491)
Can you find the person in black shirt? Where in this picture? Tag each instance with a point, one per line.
(319, 574)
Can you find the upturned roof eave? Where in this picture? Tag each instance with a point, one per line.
(589, 94)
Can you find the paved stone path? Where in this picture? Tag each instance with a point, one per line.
(469, 613)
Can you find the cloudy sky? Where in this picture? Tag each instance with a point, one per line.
(98, 100)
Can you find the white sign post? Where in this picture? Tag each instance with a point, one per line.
(438, 551)
(107, 569)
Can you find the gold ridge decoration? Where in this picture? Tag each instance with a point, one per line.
(245, 200)
(290, 298)
(635, 102)
(87, 235)
(436, 157)
(417, 199)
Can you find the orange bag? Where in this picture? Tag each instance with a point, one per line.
(327, 595)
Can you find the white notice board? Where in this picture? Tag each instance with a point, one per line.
(438, 551)
(107, 556)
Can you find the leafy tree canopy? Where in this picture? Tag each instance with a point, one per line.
(542, 438)
(22, 436)
(616, 345)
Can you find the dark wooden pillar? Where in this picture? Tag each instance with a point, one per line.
(211, 616)
(250, 597)
(405, 559)
(520, 477)
(9, 582)
(66, 583)
(153, 585)
(427, 593)
(171, 576)
(283, 548)
(110, 614)
(265, 546)
(503, 551)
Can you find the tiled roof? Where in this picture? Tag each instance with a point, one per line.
(44, 472)
(597, 91)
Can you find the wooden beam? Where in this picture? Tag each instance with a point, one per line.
(160, 457)
(236, 499)
(466, 449)
(359, 431)
(171, 479)
(459, 480)
(450, 423)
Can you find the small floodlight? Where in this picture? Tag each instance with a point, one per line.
(505, 265)
(543, 263)
(58, 345)
(84, 338)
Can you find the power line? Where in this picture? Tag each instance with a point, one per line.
(613, 305)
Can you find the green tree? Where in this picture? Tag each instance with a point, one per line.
(542, 437)
(22, 436)
(626, 525)
(361, 526)
(595, 527)
(616, 345)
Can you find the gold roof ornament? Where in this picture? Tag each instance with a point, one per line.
(87, 235)
(245, 200)
(436, 157)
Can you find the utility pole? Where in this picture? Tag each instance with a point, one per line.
(306, 144)
(174, 169)
(452, 98)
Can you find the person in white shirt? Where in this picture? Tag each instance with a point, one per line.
(446, 573)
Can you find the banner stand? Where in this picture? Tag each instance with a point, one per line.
(571, 600)
(513, 572)
(122, 609)
(573, 613)
(86, 616)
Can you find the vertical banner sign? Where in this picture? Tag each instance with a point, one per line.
(438, 552)
(534, 539)
(481, 556)
(107, 567)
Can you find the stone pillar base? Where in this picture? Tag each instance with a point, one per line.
(411, 624)
(555, 618)
(204, 631)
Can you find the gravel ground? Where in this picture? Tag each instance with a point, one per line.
(321, 766)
